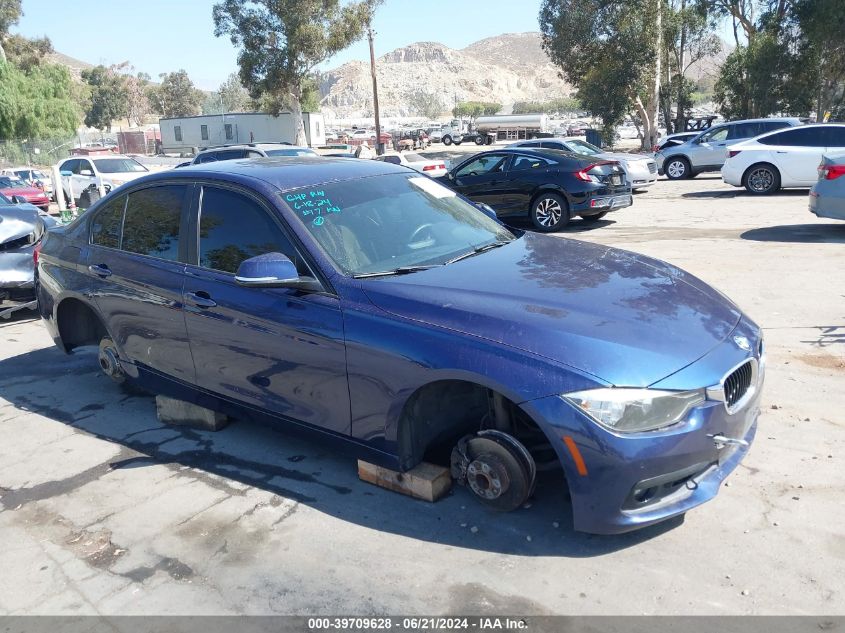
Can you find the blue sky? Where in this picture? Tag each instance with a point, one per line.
(159, 36)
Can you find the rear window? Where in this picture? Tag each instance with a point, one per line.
(151, 224)
(118, 165)
(296, 151)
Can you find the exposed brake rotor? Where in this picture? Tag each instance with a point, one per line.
(496, 467)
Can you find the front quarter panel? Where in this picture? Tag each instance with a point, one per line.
(389, 358)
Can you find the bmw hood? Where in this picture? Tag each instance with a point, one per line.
(625, 318)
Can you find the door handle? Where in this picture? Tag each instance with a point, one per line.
(781, 151)
(101, 270)
(200, 299)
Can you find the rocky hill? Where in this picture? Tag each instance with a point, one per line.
(506, 68)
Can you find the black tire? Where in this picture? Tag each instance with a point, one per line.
(479, 140)
(446, 140)
(489, 140)
(594, 218)
(677, 168)
(549, 212)
(761, 179)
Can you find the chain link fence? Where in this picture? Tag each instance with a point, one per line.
(41, 153)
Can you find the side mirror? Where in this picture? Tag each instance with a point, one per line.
(18, 200)
(273, 270)
(86, 172)
(66, 172)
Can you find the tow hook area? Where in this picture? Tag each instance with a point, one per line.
(721, 441)
(496, 467)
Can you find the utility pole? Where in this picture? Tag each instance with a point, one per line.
(379, 147)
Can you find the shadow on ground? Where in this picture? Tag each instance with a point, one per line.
(799, 233)
(72, 391)
(735, 192)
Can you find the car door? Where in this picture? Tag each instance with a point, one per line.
(797, 152)
(483, 179)
(83, 175)
(524, 173)
(711, 148)
(66, 170)
(135, 261)
(278, 349)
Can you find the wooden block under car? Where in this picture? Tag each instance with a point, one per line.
(425, 481)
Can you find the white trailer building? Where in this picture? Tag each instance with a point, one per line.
(185, 134)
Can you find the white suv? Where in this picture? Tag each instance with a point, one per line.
(708, 150)
(80, 175)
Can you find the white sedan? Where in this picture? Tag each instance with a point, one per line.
(433, 168)
(785, 158)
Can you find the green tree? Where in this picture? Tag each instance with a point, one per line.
(176, 96)
(10, 13)
(27, 53)
(280, 42)
(426, 104)
(611, 51)
(821, 24)
(36, 104)
(474, 109)
(109, 99)
(233, 95)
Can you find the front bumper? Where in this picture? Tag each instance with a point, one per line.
(627, 482)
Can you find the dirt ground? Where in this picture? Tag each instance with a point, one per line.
(105, 510)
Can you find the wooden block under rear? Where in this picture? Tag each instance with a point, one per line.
(424, 481)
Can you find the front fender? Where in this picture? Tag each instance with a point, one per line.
(390, 358)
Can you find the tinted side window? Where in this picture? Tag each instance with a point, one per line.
(809, 136)
(70, 165)
(206, 158)
(233, 228)
(554, 145)
(483, 165)
(771, 126)
(745, 130)
(528, 162)
(105, 227)
(231, 154)
(83, 165)
(151, 226)
(392, 159)
(836, 136)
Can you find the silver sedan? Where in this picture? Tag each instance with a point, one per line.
(640, 170)
(827, 197)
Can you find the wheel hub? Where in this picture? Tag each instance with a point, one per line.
(548, 212)
(487, 477)
(109, 362)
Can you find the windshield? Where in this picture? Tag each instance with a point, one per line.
(295, 151)
(383, 223)
(118, 165)
(582, 147)
(8, 182)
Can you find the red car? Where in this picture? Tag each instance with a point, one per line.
(10, 186)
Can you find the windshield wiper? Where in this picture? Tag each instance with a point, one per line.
(476, 251)
(402, 270)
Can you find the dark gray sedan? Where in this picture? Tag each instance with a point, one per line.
(827, 197)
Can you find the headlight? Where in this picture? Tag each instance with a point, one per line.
(635, 410)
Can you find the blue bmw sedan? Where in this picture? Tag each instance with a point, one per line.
(370, 304)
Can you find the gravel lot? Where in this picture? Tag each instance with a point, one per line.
(105, 510)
